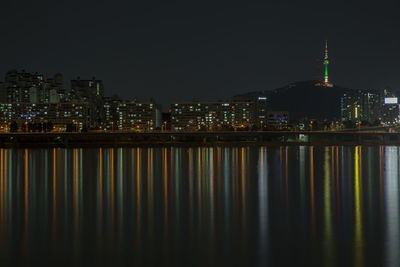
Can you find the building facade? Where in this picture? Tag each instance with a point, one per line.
(92, 92)
(60, 115)
(137, 116)
(233, 114)
(24, 87)
(370, 106)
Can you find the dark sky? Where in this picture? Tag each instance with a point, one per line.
(175, 51)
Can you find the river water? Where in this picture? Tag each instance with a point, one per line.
(200, 206)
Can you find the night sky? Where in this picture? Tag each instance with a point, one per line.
(199, 49)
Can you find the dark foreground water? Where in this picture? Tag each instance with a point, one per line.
(200, 206)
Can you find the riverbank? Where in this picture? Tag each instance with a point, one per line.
(115, 139)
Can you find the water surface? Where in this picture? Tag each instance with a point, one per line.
(198, 206)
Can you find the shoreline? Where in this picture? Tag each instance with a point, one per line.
(167, 139)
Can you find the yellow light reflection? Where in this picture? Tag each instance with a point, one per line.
(138, 194)
(358, 238)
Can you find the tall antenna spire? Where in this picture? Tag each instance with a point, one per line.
(326, 63)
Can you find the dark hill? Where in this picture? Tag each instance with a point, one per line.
(304, 99)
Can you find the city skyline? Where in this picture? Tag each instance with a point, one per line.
(69, 85)
(30, 102)
(184, 50)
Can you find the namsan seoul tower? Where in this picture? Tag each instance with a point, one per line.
(326, 63)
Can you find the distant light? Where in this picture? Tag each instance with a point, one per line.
(391, 100)
(225, 105)
(262, 98)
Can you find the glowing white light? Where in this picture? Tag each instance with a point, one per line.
(391, 100)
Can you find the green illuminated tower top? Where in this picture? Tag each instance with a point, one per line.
(326, 62)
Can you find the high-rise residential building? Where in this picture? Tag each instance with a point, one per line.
(350, 106)
(371, 106)
(92, 92)
(216, 115)
(57, 92)
(132, 115)
(21, 87)
(61, 115)
(24, 87)
(110, 105)
(259, 105)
